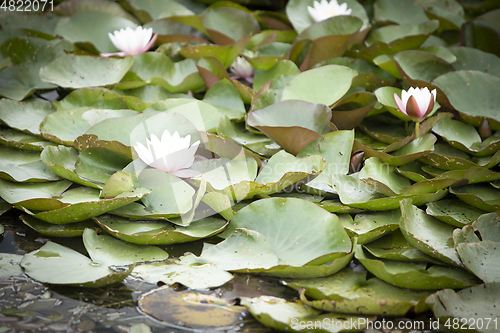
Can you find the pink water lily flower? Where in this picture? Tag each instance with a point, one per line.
(324, 10)
(171, 154)
(131, 42)
(416, 103)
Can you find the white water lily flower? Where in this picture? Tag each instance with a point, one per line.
(324, 10)
(131, 42)
(416, 103)
(242, 69)
(172, 153)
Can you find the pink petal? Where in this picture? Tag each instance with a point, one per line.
(399, 103)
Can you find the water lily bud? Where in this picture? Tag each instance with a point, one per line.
(416, 103)
(485, 129)
(131, 42)
(356, 162)
(324, 10)
(242, 69)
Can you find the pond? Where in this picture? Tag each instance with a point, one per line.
(302, 165)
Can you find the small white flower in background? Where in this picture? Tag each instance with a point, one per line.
(416, 103)
(324, 10)
(242, 69)
(171, 154)
(131, 42)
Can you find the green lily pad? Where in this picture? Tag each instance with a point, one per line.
(469, 58)
(264, 239)
(68, 8)
(73, 71)
(350, 110)
(475, 307)
(292, 124)
(473, 94)
(12, 138)
(413, 171)
(428, 234)
(394, 246)
(466, 138)
(237, 133)
(225, 53)
(415, 275)
(25, 116)
(64, 126)
(28, 55)
(351, 291)
(282, 315)
(328, 39)
(193, 277)
(382, 177)
(24, 166)
(481, 196)
(226, 98)
(90, 29)
(82, 203)
(335, 148)
(478, 247)
(108, 250)
(312, 86)
(156, 68)
(57, 230)
(159, 232)
(98, 98)
(415, 149)
(4, 207)
(36, 196)
(61, 160)
(226, 25)
(283, 67)
(98, 164)
(9, 265)
(453, 212)
(368, 227)
(153, 10)
(56, 264)
(419, 68)
(356, 193)
(395, 38)
(446, 157)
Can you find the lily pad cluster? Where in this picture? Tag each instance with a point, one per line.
(305, 168)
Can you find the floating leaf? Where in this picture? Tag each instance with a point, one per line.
(428, 234)
(20, 140)
(394, 246)
(226, 25)
(478, 247)
(323, 85)
(9, 265)
(481, 196)
(475, 304)
(368, 227)
(73, 71)
(24, 166)
(292, 124)
(351, 291)
(295, 316)
(453, 212)
(473, 94)
(415, 275)
(158, 232)
(193, 277)
(98, 98)
(57, 230)
(25, 116)
(28, 55)
(82, 203)
(56, 264)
